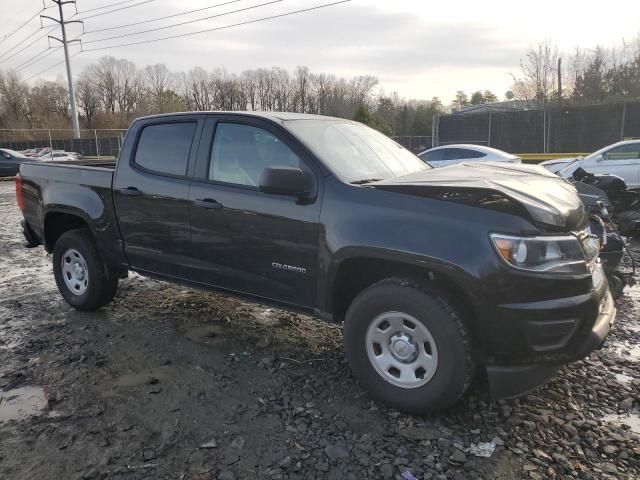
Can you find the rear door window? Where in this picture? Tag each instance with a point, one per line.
(164, 148)
(462, 154)
(434, 155)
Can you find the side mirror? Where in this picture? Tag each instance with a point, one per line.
(601, 157)
(285, 180)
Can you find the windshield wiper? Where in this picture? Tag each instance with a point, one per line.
(365, 180)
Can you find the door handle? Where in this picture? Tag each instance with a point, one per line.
(208, 203)
(130, 191)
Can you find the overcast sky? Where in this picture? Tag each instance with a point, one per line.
(418, 48)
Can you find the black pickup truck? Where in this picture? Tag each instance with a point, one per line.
(433, 272)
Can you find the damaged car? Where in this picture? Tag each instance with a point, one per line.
(437, 275)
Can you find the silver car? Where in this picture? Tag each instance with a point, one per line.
(450, 154)
(621, 159)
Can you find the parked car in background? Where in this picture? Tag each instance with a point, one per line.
(10, 162)
(37, 152)
(31, 152)
(557, 164)
(450, 154)
(47, 154)
(621, 159)
(59, 156)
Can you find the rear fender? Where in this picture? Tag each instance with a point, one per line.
(95, 210)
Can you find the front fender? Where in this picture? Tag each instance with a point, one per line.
(446, 238)
(403, 260)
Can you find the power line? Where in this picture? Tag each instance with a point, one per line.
(20, 42)
(28, 45)
(24, 24)
(106, 6)
(116, 10)
(161, 18)
(281, 15)
(14, 19)
(286, 14)
(65, 46)
(32, 61)
(183, 23)
(50, 67)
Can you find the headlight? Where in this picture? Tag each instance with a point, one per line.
(541, 254)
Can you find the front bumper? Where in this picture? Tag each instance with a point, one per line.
(514, 380)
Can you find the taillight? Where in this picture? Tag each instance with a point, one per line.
(19, 192)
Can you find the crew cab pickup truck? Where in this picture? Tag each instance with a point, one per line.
(435, 274)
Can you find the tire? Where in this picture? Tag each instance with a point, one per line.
(438, 340)
(89, 283)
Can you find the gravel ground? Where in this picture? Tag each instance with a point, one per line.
(168, 382)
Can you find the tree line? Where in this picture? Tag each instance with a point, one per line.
(113, 91)
(587, 76)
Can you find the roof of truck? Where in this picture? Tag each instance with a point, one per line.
(276, 116)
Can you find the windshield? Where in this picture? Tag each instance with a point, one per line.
(355, 152)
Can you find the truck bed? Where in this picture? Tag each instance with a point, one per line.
(92, 173)
(82, 188)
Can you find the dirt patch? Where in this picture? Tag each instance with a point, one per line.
(168, 382)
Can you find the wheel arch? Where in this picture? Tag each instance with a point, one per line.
(59, 221)
(355, 273)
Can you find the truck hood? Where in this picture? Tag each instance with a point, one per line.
(548, 199)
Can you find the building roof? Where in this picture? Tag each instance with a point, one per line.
(499, 107)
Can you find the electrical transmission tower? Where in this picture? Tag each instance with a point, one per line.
(72, 97)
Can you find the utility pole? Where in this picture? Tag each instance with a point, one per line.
(65, 46)
(560, 80)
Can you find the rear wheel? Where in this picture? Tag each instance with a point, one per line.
(82, 278)
(407, 347)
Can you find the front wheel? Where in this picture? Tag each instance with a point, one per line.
(82, 278)
(407, 347)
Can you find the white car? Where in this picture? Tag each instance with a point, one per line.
(450, 154)
(621, 159)
(59, 156)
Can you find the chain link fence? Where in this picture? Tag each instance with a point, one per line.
(94, 143)
(553, 130)
(416, 144)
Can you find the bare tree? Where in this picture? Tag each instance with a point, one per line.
(158, 79)
(197, 89)
(105, 75)
(361, 88)
(281, 90)
(48, 101)
(129, 86)
(538, 81)
(88, 96)
(14, 95)
(302, 80)
(250, 86)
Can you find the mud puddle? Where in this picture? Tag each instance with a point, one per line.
(22, 403)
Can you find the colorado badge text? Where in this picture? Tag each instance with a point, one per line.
(289, 268)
